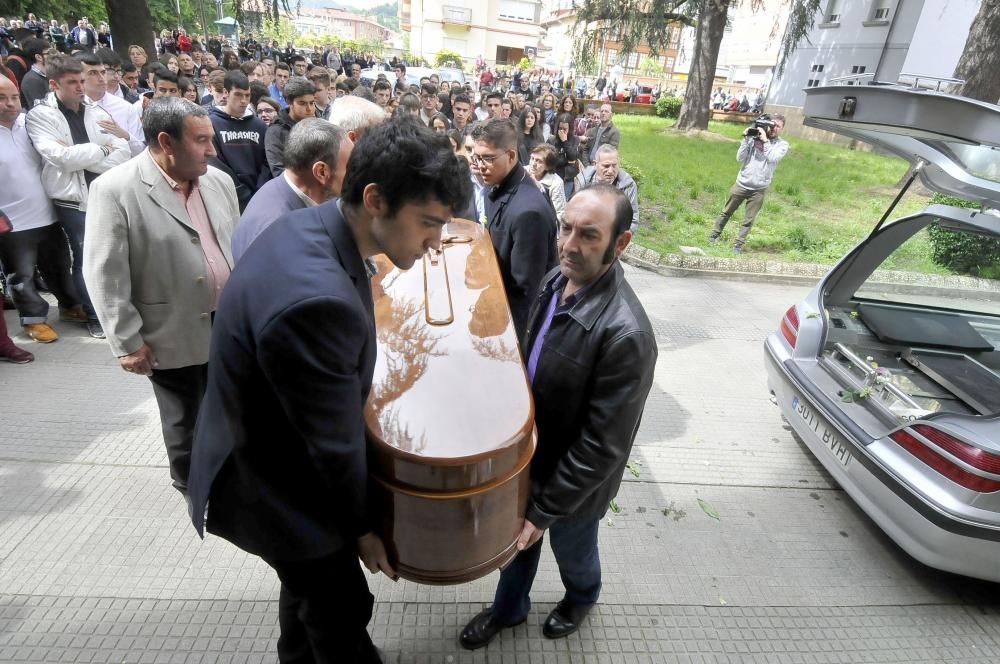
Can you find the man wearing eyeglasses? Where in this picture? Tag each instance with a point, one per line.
(521, 222)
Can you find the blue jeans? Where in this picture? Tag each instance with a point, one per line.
(574, 543)
(73, 223)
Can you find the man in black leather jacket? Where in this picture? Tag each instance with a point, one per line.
(591, 354)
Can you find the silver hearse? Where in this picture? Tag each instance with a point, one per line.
(891, 376)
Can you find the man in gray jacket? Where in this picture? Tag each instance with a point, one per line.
(607, 169)
(157, 257)
(760, 153)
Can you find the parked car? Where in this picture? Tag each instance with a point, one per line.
(891, 377)
(452, 74)
(645, 95)
(413, 75)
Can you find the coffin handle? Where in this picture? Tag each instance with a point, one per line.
(438, 309)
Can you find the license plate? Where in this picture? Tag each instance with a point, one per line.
(834, 444)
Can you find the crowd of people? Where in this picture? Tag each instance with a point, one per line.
(196, 205)
(76, 131)
(224, 203)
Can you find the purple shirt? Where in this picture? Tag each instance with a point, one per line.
(554, 309)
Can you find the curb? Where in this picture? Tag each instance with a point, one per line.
(733, 269)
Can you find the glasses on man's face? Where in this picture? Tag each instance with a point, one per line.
(487, 159)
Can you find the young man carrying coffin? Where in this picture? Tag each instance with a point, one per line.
(279, 462)
(591, 351)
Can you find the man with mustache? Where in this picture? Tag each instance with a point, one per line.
(590, 355)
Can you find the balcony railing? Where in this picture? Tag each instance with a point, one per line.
(456, 15)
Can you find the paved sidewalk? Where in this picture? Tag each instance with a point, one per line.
(98, 562)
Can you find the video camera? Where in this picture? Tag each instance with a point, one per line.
(763, 121)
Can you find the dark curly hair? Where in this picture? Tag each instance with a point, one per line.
(409, 163)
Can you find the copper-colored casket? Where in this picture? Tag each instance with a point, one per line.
(450, 418)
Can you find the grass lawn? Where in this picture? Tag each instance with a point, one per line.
(823, 199)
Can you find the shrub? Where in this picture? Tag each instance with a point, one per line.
(668, 106)
(447, 58)
(632, 168)
(963, 253)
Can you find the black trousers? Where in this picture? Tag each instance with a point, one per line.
(323, 611)
(46, 248)
(178, 394)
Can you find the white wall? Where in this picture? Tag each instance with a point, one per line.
(931, 55)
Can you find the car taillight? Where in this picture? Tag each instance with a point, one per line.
(975, 457)
(790, 326)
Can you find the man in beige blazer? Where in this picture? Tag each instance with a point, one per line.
(157, 256)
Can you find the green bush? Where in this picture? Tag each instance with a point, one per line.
(668, 106)
(963, 253)
(632, 168)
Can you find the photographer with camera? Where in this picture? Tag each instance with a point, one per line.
(760, 152)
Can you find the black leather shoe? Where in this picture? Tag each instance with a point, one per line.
(565, 619)
(481, 630)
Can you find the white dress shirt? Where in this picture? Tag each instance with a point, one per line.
(22, 196)
(126, 116)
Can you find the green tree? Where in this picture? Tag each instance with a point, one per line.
(650, 67)
(446, 57)
(980, 60)
(649, 22)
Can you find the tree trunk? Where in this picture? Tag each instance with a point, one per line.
(980, 60)
(130, 23)
(696, 110)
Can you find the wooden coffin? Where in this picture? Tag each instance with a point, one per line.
(450, 419)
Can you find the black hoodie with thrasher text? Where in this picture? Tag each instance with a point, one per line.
(239, 143)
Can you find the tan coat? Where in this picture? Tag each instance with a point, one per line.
(144, 268)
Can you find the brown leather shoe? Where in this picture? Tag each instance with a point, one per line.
(41, 332)
(15, 355)
(74, 315)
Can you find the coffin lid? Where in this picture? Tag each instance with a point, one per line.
(448, 392)
(957, 138)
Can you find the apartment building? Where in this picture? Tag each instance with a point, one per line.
(499, 31)
(338, 23)
(888, 40)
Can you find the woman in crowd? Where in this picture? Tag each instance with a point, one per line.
(188, 89)
(549, 110)
(167, 43)
(169, 61)
(137, 54)
(230, 60)
(541, 167)
(567, 148)
(267, 110)
(540, 121)
(439, 123)
(529, 134)
(568, 105)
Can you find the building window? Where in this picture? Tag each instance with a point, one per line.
(832, 12)
(670, 64)
(817, 68)
(633, 61)
(858, 69)
(517, 10)
(610, 59)
(813, 83)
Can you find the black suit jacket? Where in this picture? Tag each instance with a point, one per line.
(279, 448)
(522, 226)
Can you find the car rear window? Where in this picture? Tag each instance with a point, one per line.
(941, 268)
